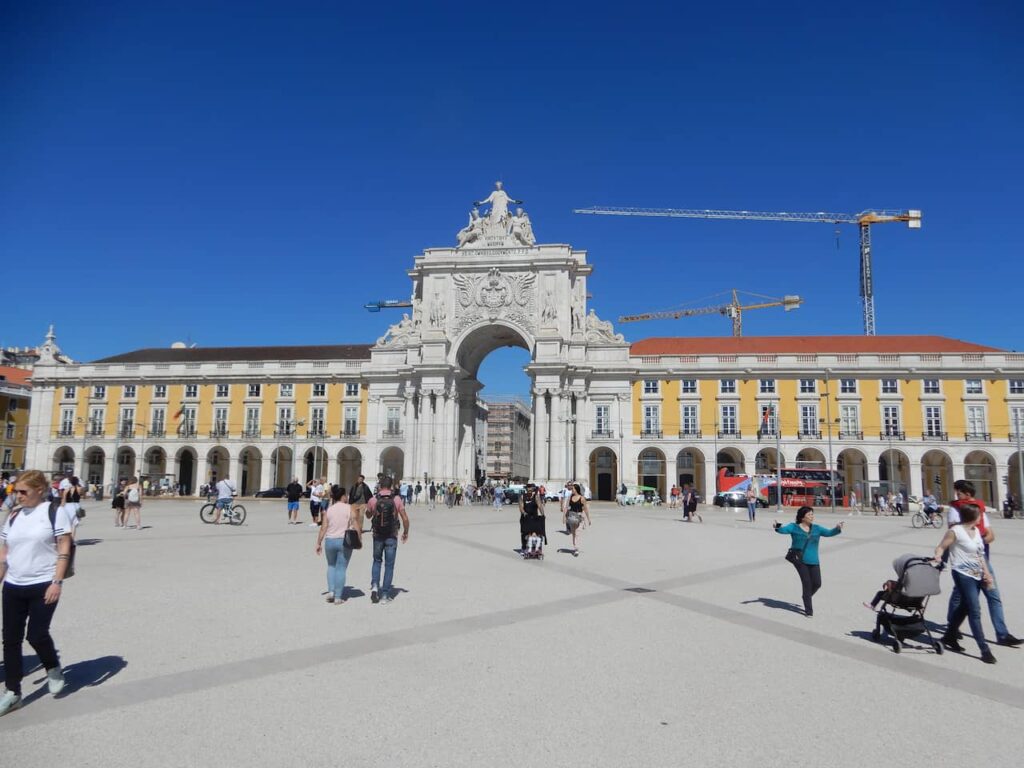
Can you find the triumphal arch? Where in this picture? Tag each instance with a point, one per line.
(496, 287)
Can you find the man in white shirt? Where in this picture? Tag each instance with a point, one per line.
(225, 492)
(316, 495)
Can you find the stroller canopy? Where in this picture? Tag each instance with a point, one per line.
(917, 576)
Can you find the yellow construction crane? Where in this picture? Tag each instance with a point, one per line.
(864, 220)
(733, 310)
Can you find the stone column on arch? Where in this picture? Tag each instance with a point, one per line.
(539, 434)
(916, 476)
(267, 478)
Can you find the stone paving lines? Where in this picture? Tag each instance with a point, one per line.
(214, 646)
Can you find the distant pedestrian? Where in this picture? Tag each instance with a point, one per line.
(531, 515)
(34, 557)
(359, 494)
(385, 509)
(576, 512)
(803, 551)
(226, 491)
(418, 490)
(117, 503)
(432, 494)
(690, 501)
(293, 492)
(340, 533)
(133, 503)
(316, 495)
(751, 503)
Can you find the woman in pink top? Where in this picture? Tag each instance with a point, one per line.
(338, 519)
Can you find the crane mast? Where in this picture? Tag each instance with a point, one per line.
(863, 220)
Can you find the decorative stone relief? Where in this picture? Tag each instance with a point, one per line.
(495, 296)
(601, 330)
(404, 333)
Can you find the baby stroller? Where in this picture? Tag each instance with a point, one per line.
(901, 615)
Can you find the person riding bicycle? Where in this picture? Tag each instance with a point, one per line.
(930, 505)
(226, 490)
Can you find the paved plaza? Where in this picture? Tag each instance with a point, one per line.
(663, 644)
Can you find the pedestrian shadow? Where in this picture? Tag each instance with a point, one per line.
(87, 542)
(780, 605)
(352, 593)
(81, 674)
(917, 643)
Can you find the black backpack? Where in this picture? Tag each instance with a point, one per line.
(385, 518)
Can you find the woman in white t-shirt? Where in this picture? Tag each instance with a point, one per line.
(970, 572)
(34, 556)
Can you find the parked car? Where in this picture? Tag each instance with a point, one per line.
(735, 499)
(271, 493)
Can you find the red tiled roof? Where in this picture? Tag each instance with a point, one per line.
(805, 345)
(228, 354)
(17, 376)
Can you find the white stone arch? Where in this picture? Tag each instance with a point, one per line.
(247, 476)
(468, 352)
(64, 459)
(604, 473)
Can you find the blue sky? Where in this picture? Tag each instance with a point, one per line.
(252, 173)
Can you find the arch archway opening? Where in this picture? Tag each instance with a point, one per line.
(125, 464)
(690, 470)
(937, 474)
(495, 440)
(852, 466)
(392, 463)
(95, 459)
(64, 460)
(650, 470)
(894, 473)
(186, 461)
(604, 474)
(732, 461)
(350, 466)
(315, 463)
(980, 470)
(250, 462)
(281, 466)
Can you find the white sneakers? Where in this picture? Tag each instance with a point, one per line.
(9, 701)
(55, 680)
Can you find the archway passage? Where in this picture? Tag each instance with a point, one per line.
(64, 460)
(690, 470)
(315, 461)
(604, 474)
(392, 463)
(281, 467)
(218, 465)
(95, 458)
(852, 466)
(937, 474)
(768, 461)
(810, 458)
(1013, 479)
(125, 463)
(980, 470)
(650, 470)
(732, 461)
(186, 461)
(249, 467)
(350, 466)
(894, 472)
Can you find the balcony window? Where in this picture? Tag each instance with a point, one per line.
(159, 391)
(99, 392)
(601, 418)
(688, 422)
(728, 419)
(286, 390)
(223, 390)
(933, 421)
(891, 420)
(129, 391)
(652, 419)
(191, 390)
(808, 419)
(351, 424)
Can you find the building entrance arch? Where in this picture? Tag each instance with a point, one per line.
(650, 470)
(185, 460)
(690, 469)
(980, 470)
(937, 474)
(604, 474)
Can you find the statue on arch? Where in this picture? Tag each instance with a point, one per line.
(471, 231)
(498, 200)
(521, 229)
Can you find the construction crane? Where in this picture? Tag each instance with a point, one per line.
(733, 310)
(377, 306)
(864, 220)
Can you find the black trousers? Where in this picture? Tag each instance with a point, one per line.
(810, 580)
(21, 606)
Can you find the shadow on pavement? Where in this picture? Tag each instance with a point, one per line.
(780, 605)
(87, 542)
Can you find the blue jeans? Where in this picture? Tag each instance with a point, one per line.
(969, 607)
(384, 550)
(751, 510)
(995, 607)
(337, 555)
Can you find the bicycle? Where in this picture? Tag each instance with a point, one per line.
(927, 518)
(233, 515)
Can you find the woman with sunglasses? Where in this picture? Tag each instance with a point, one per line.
(34, 556)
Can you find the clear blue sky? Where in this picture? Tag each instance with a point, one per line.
(252, 173)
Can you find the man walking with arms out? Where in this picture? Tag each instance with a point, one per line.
(385, 510)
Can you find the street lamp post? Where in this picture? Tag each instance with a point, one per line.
(1020, 464)
(85, 436)
(828, 424)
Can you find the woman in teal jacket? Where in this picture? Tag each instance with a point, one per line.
(805, 536)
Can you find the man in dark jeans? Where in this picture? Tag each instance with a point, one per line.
(385, 509)
(294, 494)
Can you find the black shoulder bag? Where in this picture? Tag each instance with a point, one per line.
(797, 555)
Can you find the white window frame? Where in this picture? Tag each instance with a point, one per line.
(931, 387)
(652, 418)
(70, 391)
(222, 391)
(352, 389)
(651, 387)
(809, 418)
(159, 391)
(126, 419)
(890, 386)
(130, 392)
(317, 420)
(319, 389)
(976, 425)
(252, 419)
(892, 420)
(393, 419)
(727, 386)
(767, 386)
(849, 418)
(99, 391)
(772, 427)
(351, 423)
(191, 391)
(287, 389)
(1016, 417)
(67, 420)
(932, 420)
(602, 418)
(254, 390)
(1016, 386)
(285, 419)
(689, 419)
(688, 386)
(848, 386)
(808, 386)
(158, 419)
(727, 417)
(220, 419)
(97, 420)
(974, 387)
